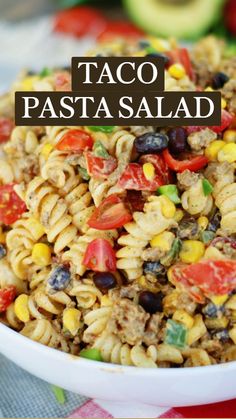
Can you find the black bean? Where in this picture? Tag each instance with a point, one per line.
(156, 55)
(104, 281)
(219, 80)
(3, 251)
(177, 140)
(151, 142)
(222, 335)
(59, 278)
(211, 310)
(150, 301)
(214, 223)
(154, 268)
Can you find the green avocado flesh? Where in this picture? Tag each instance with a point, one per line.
(187, 19)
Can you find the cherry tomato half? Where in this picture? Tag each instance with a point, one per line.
(11, 206)
(7, 295)
(100, 256)
(193, 163)
(80, 21)
(119, 29)
(226, 121)
(99, 167)
(211, 277)
(6, 127)
(75, 141)
(134, 178)
(112, 213)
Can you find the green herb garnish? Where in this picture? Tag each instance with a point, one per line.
(207, 236)
(83, 173)
(45, 72)
(172, 254)
(207, 187)
(176, 334)
(171, 191)
(59, 394)
(93, 354)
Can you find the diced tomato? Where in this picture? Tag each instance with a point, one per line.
(11, 206)
(80, 21)
(7, 295)
(134, 178)
(6, 127)
(100, 256)
(193, 162)
(181, 56)
(209, 277)
(119, 29)
(99, 167)
(136, 200)
(75, 141)
(112, 213)
(62, 81)
(226, 121)
(160, 165)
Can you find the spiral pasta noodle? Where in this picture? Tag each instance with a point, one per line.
(42, 331)
(96, 321)
(51, 209)
(195, 202)
(144, 227)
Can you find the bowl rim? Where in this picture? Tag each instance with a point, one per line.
(109, 367)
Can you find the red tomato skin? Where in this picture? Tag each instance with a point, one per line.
(117, 29)
(7, 295)
(6, 127)
(62, 82)
(226, 121)
(80, 21)
(111, 213)
(11, 206)
(194, 164)
(75, 141)
(160, 165)
(181, 56)
(133, 178)
(98, 167)
(100, 256)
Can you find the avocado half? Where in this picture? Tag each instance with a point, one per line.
(186, 19)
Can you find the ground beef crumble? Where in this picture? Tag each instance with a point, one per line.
(200, 140)
(187, 179)
(128, 322)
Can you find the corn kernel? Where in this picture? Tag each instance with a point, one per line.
(183, 317)
(177, 71)
(141, 53)
(71, 320)
(219, 300)
(2, 236)
(211, 152)
(160, 45)
(179, 214)
(105, 301)
(231, 303)
(223, 103)
(35, 227)
(209, 89)
(227, 153)
(167, 206)
(230, 136)
(163, 241)
(46, 150)
(192, 251)
(147, 285)
(232, 334)
(216, 323)
(170, 274)
(149, 171)
(41, 254)
(202, 222)
(21, 308)
(28, 82)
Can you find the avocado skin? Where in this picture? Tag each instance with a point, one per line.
(197, 21)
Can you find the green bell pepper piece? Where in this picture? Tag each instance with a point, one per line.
(100, 151)
(171, 191)
(176, 334)
(106, 129)
(207, 187)
(93, 354)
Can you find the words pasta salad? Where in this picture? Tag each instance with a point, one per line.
(118, 244)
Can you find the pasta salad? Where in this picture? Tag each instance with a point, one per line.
(118, 244)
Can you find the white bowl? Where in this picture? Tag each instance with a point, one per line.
(159, 387)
